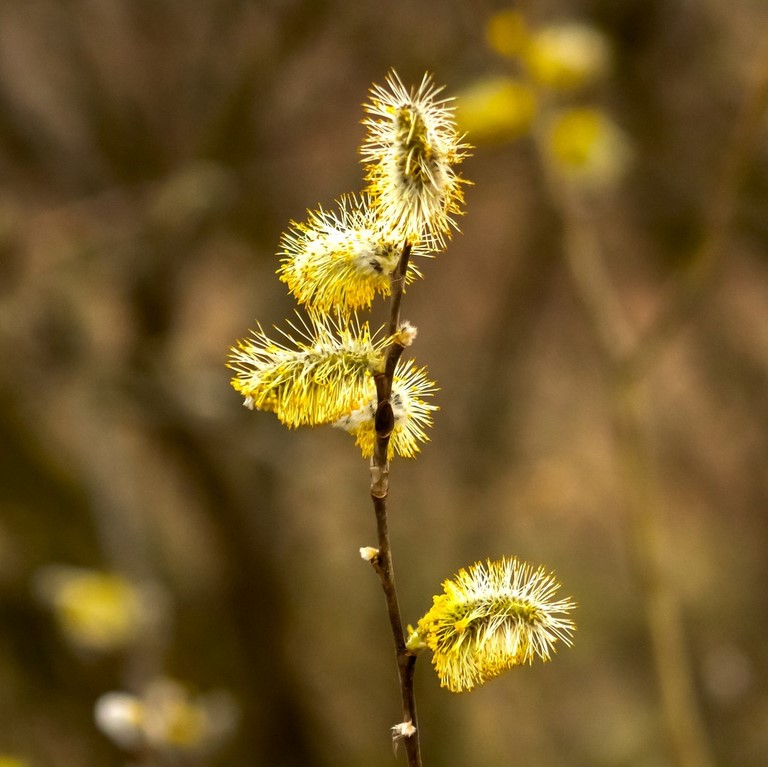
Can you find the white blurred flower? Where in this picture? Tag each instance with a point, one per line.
(121, 717)
(167, 717)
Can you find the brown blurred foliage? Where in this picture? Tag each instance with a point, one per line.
(151, 152)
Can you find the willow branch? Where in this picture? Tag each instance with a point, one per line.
(382, 561)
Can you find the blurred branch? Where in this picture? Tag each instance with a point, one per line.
(590, 277)
(682, 718)
(629, 365)
(683, 721)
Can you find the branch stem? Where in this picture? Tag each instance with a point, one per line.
(382, 562)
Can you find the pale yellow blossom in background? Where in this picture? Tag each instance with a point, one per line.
(96, 610)
(496, 109)
(11, 761)
(567, 56)
(506, 33)
(584, 146)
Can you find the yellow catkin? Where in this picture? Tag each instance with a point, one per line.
(410, 148)
(413, 414)
(339, 260)
(315, 378)
(491, 617)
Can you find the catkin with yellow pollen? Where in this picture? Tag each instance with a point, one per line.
(339, 260)
(491, 617)
(412, 414)
(315, 378)
(409, 151)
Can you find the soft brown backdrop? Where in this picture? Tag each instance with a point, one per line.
(151, 153)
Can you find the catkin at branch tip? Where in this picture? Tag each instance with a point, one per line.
(409, 151)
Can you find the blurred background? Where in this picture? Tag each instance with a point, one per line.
(152, 529)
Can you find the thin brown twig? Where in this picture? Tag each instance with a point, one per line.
(593, 283)
(382, 561)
